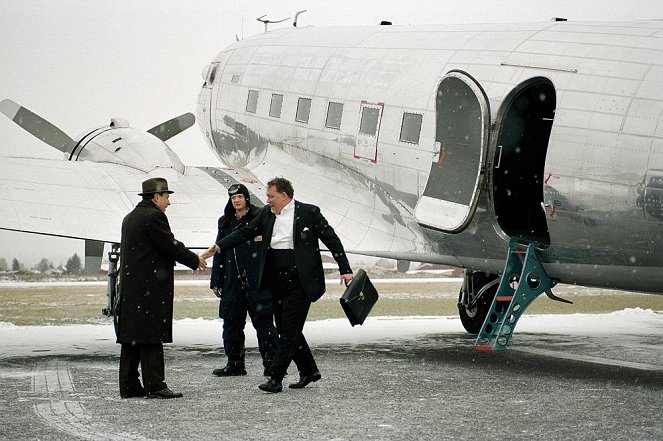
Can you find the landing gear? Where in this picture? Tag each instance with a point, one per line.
(475, 298)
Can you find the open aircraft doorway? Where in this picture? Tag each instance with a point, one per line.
(524, 125)
(461, 140)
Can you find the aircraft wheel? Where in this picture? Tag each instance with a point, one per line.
(473, 317)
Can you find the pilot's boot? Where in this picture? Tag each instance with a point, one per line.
(232, 369)
(235, 364)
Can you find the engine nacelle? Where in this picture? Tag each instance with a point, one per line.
(121, 144)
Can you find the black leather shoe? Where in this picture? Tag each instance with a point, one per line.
(271, 386)
(164, 394)
(305, 379)
(229, 371)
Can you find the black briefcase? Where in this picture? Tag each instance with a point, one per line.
(359, 298)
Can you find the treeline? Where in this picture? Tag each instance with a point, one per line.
(73, 266)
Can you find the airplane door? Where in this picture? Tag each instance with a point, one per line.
(461, 141)
(524, 124)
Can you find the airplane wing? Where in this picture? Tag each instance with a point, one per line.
(88, 200)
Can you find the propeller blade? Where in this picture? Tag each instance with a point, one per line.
(35, 125)
(94, 251)
(168, 129)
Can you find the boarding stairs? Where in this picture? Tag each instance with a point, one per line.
(523, 280)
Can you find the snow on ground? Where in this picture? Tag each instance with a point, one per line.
(21, 341)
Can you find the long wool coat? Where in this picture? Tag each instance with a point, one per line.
(148, 252)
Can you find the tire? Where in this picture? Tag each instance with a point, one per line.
(472, 319)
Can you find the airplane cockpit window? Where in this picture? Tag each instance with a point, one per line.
(303, 110)
(411, 127)
(369, 121)
(334, 115)
(212, 74)
(252, 101)
(209, 73)
(275, 106)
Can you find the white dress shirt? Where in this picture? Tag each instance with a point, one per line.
(284, 227)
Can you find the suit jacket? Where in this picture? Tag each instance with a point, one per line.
(309, 226)
(148, 252)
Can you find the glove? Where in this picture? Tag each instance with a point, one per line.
(217, 291)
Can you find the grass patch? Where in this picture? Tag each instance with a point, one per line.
(62, 305)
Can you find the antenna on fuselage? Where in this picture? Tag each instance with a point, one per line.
(270, 21)
(294, 22)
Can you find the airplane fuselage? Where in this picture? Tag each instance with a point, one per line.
(440, 143)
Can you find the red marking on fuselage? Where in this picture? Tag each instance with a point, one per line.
(439, 161)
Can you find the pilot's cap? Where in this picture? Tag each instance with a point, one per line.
(155, 185)
(239, 189)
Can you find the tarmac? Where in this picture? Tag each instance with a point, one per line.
(601, 385)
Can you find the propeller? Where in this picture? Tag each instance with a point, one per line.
(53, 136)
(36, 125)
(170, 128)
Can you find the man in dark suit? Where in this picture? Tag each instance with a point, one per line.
(292, 267)
(148, 252)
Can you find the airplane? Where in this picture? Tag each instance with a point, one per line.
(527, 154)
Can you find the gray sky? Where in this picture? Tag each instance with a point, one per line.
(80, 62)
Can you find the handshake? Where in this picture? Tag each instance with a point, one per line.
(202, 264)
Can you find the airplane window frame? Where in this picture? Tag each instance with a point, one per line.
(339, 117)
(407, 139)
(252, 101)
(298, 116)
(374, 120)
(272, 107)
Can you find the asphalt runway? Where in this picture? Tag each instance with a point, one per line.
(555, 386)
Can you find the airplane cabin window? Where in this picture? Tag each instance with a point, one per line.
(411, 127)
(235, 79)
(369, 121)
(303, 110)
(252, 101)
(275, 106)
(334, 115)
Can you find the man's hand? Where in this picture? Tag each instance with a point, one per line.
(209, 252)
(346, 278)
(217, 291)
(202, 265)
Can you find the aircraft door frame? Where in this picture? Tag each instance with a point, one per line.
(462, 132)
(522, 133)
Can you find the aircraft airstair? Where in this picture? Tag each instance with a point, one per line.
(522, 281)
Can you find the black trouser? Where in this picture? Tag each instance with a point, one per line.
(291, 307)
(150, 358)
(259, 308)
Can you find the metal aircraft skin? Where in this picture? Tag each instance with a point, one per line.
(441, 143)
(437, 143)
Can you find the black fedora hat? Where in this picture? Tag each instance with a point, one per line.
(155, 185)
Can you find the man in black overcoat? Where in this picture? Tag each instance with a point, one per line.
(292, 267)
(148, 252)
